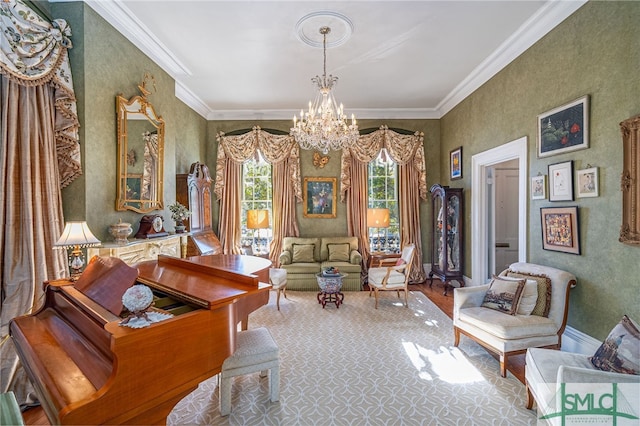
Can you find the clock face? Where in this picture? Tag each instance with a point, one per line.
(157, 223)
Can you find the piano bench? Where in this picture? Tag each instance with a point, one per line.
(255, 351)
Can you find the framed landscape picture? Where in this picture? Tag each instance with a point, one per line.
(564, 129)
(456, 163)
(560, 229)
(539, 187)
(561, 181)
(319, 196)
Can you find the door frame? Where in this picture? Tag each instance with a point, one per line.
(480, 163)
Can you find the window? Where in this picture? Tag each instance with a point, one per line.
(256, 195)
(383, 193)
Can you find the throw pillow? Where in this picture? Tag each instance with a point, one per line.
(543, 303)
(303, 253)
(503, 295)
(339, 252)
(529, 298)
(620, 352)
(400, 261)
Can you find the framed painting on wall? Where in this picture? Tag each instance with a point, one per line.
(319, 197)
(587, 182)
(539, 187)
(456, 163)
(561, 181)
(560, 229)
(564, 129)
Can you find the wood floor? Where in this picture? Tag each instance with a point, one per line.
(515, 365)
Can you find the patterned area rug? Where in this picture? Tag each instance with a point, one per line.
(355, 365)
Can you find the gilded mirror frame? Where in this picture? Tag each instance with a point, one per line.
(140, 168)
(630, 181)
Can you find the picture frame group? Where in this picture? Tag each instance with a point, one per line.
(560, 229)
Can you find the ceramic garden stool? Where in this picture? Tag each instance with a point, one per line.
(278, 279)
(255, 351)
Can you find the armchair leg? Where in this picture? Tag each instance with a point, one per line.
(406, 299)
(376, 294)
(456, 336)
(529, 398)
(503, 365)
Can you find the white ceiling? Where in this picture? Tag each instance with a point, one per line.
(403, 59)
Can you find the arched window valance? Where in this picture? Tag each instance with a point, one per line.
(33, 52)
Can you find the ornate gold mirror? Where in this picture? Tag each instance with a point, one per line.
(630, 181)
(140, 153)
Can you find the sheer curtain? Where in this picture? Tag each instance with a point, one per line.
(39, 154)
(283, 153)
(407, 152)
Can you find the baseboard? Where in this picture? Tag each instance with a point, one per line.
(576, 341)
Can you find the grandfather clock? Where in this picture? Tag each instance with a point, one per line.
(447, 254)
(194, 190)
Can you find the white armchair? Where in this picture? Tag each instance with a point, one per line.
(393, 278)
(512, 334)
(547, 369)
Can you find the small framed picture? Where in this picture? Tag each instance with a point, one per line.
(456, 163)
(564, 129)
(587, 182)
(560, 229)
(561, 181)
(539, 187)
(319, 195)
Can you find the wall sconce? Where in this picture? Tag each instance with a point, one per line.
(258, 219)
(78, 236)
(378, 218)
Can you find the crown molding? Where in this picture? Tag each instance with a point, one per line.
(123, 20)
(544, 20)
(191, 100)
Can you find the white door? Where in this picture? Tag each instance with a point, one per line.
(506, 176)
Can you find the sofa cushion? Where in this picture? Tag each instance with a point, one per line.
(507, 326)
(503, 295)
(344, 267)
(338, 252)
(302, 253)
(529, 298)
(302, 268)
(543, 303)
(620, 352)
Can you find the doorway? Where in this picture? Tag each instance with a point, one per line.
(483, 241)
(503, 215)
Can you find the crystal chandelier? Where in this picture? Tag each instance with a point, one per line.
(324, 126)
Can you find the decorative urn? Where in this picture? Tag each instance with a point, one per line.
(120, 231)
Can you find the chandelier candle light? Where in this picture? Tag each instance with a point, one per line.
(324, 126)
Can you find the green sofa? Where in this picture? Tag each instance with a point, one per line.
(303, 258)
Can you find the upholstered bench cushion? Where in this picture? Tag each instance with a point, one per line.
(278, 277)
(254, 346)
(508, 326)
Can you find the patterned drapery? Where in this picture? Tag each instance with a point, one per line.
(407, 151)
(283, 153)
(33, 52)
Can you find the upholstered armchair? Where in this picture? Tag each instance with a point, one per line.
(393, 278)
(510, 333)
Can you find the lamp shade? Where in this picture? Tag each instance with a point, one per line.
(378, 218)
(257, 219)
(76, 234)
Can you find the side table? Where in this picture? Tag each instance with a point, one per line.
(330, 287)
(378, 258)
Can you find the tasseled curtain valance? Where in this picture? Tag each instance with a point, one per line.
(33, 52)
(274, 149)
(402, 149)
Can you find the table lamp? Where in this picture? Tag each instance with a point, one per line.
(378, 218)
(78, 236)
(257, 219)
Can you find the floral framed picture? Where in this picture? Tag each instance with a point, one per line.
(456, 163)
(564, 129)
(561, 181)
(539, 187)
(560, 229)
(319, 197)
(587, 182)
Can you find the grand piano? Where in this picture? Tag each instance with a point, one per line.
(88, 369)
